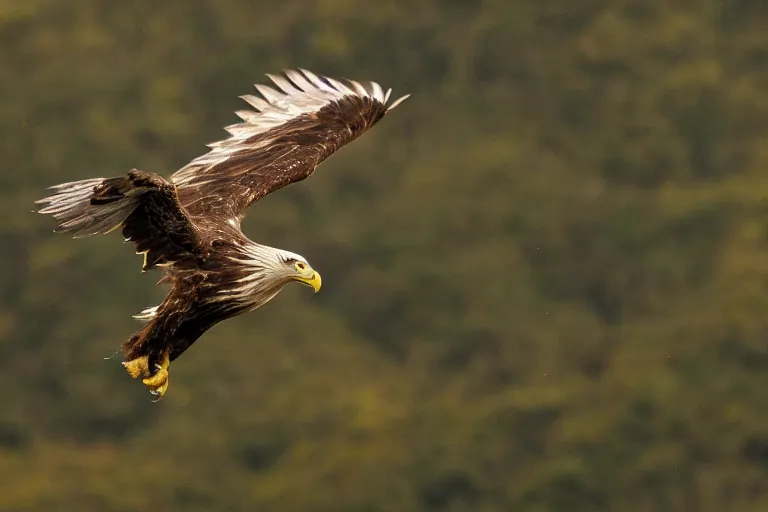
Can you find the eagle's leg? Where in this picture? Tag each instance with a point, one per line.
(156, 381)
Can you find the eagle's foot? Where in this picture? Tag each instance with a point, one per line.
(138, 367)
(157, 382)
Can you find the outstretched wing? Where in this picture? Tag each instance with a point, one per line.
(293, 129)
(142, 203)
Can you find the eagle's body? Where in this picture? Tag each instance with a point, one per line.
(189, 225)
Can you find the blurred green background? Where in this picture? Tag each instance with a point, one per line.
(544, 274)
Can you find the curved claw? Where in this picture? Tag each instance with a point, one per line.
(156, 382)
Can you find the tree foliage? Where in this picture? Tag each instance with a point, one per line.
(543, 273)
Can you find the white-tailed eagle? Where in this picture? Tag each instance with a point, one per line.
(189, 225)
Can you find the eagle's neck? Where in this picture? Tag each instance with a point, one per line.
(255, 273)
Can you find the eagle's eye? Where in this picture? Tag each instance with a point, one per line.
(301, 267)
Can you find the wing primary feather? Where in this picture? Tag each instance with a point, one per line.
(340, 86)
(386, 96)
(300, 81)
(249, 116)
(271, 95)
(236, 129)
(257, 103)
(315, 80)
(398, 101)
(361, 91)
(285, 85)
(378, 93)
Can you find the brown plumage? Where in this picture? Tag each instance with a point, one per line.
(189, 225)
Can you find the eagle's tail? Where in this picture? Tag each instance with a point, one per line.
(91, 207)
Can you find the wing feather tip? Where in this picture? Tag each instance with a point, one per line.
(269, 93)
(398, 101)
(377, 92)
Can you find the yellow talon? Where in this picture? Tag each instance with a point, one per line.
(157, 382)
(138, 367)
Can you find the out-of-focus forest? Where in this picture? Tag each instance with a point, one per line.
(545, 274)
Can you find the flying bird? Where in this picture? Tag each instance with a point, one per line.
(189, 225)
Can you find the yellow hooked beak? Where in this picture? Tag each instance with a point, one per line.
(313, 280)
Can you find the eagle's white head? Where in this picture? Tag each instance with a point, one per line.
(266, 271)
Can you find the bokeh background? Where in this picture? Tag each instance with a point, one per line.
(544, 274)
